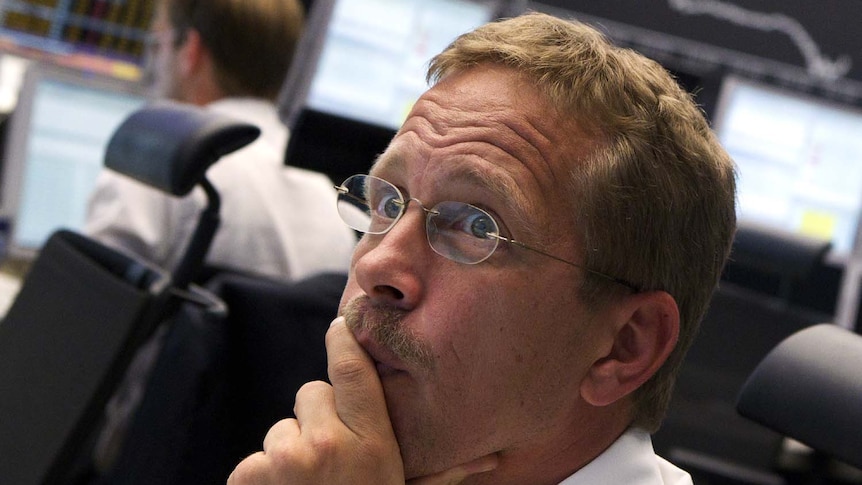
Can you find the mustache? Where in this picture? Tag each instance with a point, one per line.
(385, 325)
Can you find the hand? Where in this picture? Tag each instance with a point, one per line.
(456, 475)
(342, 433)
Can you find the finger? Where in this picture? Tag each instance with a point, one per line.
(255, 469)
(285, 429)
(459, 473)
(359, 399)
(315, 405)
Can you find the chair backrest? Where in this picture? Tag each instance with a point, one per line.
(741, 325)
(810, 388)
(219, 384)
(763, 252)
(84, 309)
(63, 344)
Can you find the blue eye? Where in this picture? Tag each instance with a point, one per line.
(467, 219)
(389, 206)
(482, 224)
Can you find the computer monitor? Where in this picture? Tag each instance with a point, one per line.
(360, 67)
(54, 151)
(94, 36)
(799, 160)
(372, 67)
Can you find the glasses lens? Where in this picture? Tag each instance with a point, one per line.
(461, 232)
(369, 204)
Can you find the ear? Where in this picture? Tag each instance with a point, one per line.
(192, 54)
(645, 330)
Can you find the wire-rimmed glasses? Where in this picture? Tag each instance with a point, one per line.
(455, 230)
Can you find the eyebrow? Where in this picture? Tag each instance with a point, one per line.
(502, 187)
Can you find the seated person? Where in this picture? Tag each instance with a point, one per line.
(542, 237)
(277, 221)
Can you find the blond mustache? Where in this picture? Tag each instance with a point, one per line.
(385, 324)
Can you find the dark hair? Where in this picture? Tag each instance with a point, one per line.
(252, 42)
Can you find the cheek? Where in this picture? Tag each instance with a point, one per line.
(519, 344)
(501, 338)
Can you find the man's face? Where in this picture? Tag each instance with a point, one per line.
(483, 358)
(161, 63)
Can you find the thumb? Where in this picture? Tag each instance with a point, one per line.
(459, 473)
(359, 399)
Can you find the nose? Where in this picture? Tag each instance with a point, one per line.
(390, 267)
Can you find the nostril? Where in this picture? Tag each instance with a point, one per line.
(389, 291)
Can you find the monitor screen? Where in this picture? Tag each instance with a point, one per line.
(54, 149)
(95, 36)
(799, 160)
(373, 60)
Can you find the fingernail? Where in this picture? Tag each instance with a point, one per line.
(485, 464)
(339, 319)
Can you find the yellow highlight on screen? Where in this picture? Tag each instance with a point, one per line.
(818, 224)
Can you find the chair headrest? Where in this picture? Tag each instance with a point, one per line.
(777, 252)
(170, 145)
(809, 388)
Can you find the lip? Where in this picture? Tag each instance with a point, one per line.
(386, 362)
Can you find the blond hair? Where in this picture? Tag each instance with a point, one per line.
(655, 202)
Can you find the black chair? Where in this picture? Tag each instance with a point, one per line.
(84, 309)
(219, 384)
(703, 432)
(334, 145)
(809, 388)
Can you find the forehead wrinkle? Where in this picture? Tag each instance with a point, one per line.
(527, 141)
(538, 147)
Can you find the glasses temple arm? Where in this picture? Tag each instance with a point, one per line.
(588, 270)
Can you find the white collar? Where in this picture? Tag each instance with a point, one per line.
(630, 460)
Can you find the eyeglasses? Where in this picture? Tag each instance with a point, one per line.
(455, 230)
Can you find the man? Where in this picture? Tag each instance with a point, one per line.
(231, 56)
(542, 237)
(277, 221)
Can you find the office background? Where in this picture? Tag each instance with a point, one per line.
(780, 80)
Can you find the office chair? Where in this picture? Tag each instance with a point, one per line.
(809, 388)
(702, 432)
(221, 382)
(787, 256)
(84, 309)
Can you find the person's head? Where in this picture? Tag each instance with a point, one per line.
(208, 49)
(579, 150)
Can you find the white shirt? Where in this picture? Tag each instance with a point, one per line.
(276, 221)
(630, 461)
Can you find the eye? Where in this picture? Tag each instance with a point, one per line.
(388, 205)
(480, 225)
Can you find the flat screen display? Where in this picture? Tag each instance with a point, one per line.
(372, 65)
(799, 160)
(55, 148)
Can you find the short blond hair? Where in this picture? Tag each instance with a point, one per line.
(655, 201)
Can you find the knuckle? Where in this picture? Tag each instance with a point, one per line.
(352, 369)
(249, 470)
(313, 387)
